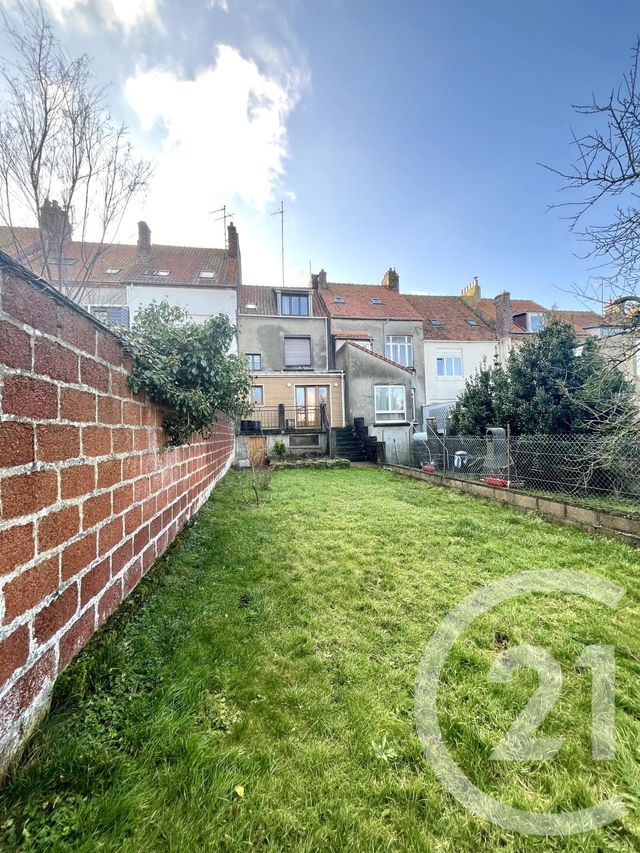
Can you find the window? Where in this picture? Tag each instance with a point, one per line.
(472, 322)
(339, 300)
(376, 301)
(257, 395)
(117, 314)
(207, 274)
(160, 273)
(297, 352)
(449, 365)
(399, 348)
(251, 306)
(435, 322)
(254, 360)
(390, 403)
(535, 322)
(294, 304)
(112, 270)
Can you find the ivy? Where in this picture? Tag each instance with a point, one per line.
(187, 368)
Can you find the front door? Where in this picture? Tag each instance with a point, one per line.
(308, 401)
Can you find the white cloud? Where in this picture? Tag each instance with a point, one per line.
(126, 14)
(223, 140)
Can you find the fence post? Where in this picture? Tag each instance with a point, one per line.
(281, 420)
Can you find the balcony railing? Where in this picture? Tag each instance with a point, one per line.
(285, 419)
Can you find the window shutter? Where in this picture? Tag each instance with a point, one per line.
(297, 352)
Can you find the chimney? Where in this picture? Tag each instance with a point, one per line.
(322, 280)
(144, 241)
(232, 240)
(314, 281)
(391, 279)
(472, 291)
(504, 315)
(54, 222)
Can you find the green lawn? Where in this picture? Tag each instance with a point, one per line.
(276, 648)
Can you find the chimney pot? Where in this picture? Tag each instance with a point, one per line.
(472, 292)
(232, 241)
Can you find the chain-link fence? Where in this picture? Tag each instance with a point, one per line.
(578, 466)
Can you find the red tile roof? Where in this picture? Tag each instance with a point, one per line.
(377, 355)
(453, 312)
(582, 321)
(357, 304)
(518, 306)
(264, 298)
(184, 263)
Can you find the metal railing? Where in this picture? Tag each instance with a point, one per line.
(285, 419)
(572, 465)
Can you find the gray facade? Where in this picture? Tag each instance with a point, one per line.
(265, 336)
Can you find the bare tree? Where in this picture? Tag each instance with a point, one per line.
(58, 141)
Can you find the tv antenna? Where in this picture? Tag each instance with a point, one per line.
(280, 213)
(223, 218)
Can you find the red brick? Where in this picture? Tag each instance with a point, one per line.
(122, 498)
(27, 689)
(16, 444)
(109, 349)
(78, 556)
(131, 468)
(57, 441)
(121, 556)
(133, 519)
(120, 385)
(17, 546)
(155, 526)
(96, 441)
(14, 651)
(110, 535)
(131, 413)
(55, 361)
(29, 305)
(26, 493)
(141, 489)
(109, 473)
(148, 556)
(141, 439)
(77, 480)
(94, 374)
(109, 601)
(122, 440)
(94, 581)
(141, 540)
(77, 405)
(109, 410)
(148, 463)
(149, 508)
(74, 639)
(52, 617)
(33, 398)
(76, 329)
(95, 510)
(132, 576)
(29, 588)
(15, 347)
(57, 527)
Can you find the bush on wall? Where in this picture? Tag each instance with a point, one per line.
(187, 367)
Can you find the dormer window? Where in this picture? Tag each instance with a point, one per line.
(207, 274)
(534, 322)
(294, 304)
(158, 273)
(376, 301)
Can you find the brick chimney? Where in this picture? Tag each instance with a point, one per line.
(144, 241)
(54, 222)
(391, 279)
(471, 293)
(232, 241)
(322, 279)
(504, 315)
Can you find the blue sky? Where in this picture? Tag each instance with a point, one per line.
(402, 134)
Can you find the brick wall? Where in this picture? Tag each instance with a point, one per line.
(90, 495)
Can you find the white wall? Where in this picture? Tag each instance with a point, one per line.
(439, 389)
(201, 302)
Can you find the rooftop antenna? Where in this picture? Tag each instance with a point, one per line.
(223, 218)
(280, 213)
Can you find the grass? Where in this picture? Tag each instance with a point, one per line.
(256, 691)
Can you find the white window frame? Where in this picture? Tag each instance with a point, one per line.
(255, 388)
(449, 356)
(403, 344)
(401, 414)
(297, 337)
(531, 316)
(250, 356)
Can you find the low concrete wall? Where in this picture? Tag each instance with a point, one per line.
(590, 519)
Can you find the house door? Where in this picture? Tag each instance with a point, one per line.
(257, 449)
(308, 401)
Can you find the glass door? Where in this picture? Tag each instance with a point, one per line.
(308, 401)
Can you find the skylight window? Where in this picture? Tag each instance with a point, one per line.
(472, 322)
(160, 273)
(112, 270)
(376, 301)
(339, 300)
(207, 274)
(435, 322)
(251, 306)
